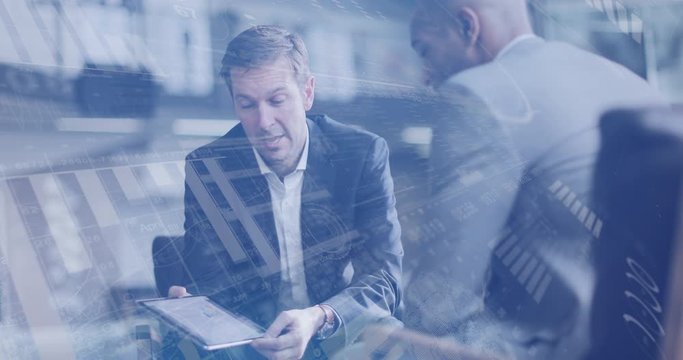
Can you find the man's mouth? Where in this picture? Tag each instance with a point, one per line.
(271, 141)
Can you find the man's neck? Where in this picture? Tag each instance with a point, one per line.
(510, 45)
(282, 169)
(500, 27)
(504, 40)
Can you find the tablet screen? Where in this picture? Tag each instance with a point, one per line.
(212, 325)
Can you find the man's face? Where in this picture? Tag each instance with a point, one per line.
(271, 106)
(441, 47)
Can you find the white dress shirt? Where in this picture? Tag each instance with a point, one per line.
(286, 202)
(512, 44)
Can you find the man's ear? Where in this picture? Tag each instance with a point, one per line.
(309, 92)
(469, 25)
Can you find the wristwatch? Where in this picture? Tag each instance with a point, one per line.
(329, 322)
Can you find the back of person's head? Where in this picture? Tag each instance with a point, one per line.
(452, 5)
(496, 21)
(513, 12)
(262, 45)
(454, 35)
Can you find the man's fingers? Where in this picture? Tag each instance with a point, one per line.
(289, 340)
(282, 321)
(177, 292)
(276, 344)
(266, 344)
(284, 339)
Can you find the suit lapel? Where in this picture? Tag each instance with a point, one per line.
(241, 169)
(319, 179)
(318, 214)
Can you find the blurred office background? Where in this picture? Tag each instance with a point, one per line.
(100, 101)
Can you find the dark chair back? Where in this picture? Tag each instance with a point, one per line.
(637, 187)
(169, 268)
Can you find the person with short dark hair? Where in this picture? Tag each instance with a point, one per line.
(516, 280)
(290, 219)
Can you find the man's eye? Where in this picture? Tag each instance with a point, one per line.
(277, 100)
(246, 105)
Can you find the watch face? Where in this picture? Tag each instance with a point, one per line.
(325, 331)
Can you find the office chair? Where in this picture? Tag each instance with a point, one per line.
(637, 188)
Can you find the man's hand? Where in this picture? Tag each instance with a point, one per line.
(177, 292)
(290, 333)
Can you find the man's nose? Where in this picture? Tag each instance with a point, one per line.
(266, 117)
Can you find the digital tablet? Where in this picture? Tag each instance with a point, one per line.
(209, 325)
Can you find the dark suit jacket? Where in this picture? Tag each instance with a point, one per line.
(349, 226)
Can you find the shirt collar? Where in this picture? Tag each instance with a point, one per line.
(303, 160)
(512, 44)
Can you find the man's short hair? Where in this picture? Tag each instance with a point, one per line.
(262, 45)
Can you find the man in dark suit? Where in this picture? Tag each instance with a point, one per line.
(290, 215)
